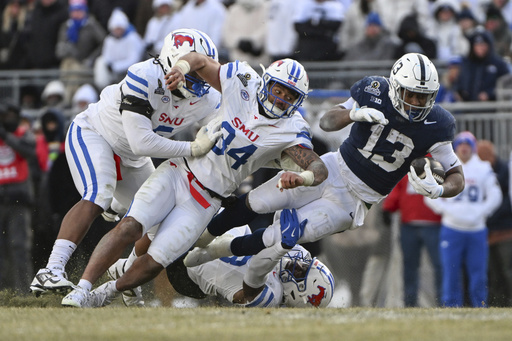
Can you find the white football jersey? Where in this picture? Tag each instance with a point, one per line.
(469, 209)
(250, 140)
(224, 276)
(145, 81)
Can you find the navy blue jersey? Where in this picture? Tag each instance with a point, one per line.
(381, 155)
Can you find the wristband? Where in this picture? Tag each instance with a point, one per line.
(183, 65)
(308, 177)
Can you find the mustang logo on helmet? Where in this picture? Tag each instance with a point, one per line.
(316, 299)
(180, 39)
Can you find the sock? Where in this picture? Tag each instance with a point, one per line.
(233, 216)
(129, 261)
(114, 287)
(248, 245)
(61, 252)
(85, 284)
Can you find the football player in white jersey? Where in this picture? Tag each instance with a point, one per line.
(260, 125)
(284, 275)
(109, 146)
(395, 120)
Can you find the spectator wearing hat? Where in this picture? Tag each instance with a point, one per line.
(17, 148)
(14, 32)
(480, 69)
(160, 24)
(80, 41)
(467, 21)
(245, 42)
(53, 95)
(377, 43)
(450, 40)
(413, 40)
(46, 19)
(463, 236)
(85, 95)
(122, 47)
(502, 35)
(317, 23)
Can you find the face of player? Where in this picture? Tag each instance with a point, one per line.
(298, 269)
(281, 96)
(414, 99)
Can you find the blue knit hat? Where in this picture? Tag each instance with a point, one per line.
(465, 137)
(373, 19)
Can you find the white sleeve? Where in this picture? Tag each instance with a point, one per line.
(144, 142)
(262, 264)
(444, 153)
(348, 104)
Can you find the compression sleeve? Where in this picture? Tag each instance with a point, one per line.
(144, 142)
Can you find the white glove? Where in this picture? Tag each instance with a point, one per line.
(366, 114)
(205, 139)
(427, 186)
(213, 127)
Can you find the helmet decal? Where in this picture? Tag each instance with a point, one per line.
(181, 42)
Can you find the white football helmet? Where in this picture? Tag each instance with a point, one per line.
(180, 42)
(306, 282)
(289, 73)
(416, 73)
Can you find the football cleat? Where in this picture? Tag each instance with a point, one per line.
(50, 280)
(103, 295)
(219, 247)
(132, 297)
(77, 298)
(110, 215)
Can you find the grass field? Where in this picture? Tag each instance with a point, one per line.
(27, 318)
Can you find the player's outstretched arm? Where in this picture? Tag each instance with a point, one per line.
(315, 171)
(205, 67)
(336, 118)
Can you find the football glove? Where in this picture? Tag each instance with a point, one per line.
(427, 186)
(366, 114)
(291, 229)
(206, 138)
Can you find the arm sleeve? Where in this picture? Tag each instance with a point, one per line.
(262, 263)
(143, 141)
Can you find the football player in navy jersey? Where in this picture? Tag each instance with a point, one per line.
(395, 121)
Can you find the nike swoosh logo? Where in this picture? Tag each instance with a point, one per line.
(293, 233)
(427, 122)
(192, 103)
(454, 162)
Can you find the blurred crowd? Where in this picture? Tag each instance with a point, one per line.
(473, 38)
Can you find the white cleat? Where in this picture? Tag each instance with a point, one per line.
(219, 247)
(50, 280)
(103, 295)
(110, 215)
(132, 297)
(77, 298)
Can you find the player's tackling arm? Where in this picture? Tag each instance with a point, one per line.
(315, 171)
(204, 66)
(335, 119)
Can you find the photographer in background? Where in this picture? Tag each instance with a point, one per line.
(17, 146)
